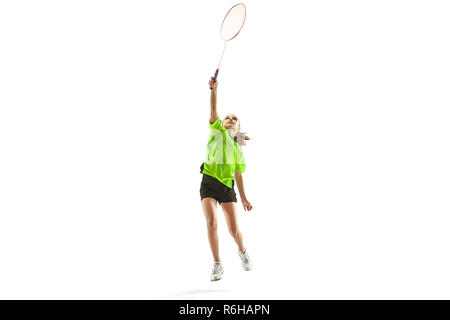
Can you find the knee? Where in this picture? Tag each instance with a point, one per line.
(212, 225)
(234, 233)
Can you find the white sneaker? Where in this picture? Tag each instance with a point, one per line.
(246, 263)
(217, 271)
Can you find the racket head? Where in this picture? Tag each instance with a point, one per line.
(233, 22)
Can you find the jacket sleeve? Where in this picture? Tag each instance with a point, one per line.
(240, 163)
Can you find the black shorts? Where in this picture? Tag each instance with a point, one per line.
(213, 188)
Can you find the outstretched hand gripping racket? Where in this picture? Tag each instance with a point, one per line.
(231, 26)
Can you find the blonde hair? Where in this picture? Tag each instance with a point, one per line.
(239, 136)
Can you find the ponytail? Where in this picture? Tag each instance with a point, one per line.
(240, 137)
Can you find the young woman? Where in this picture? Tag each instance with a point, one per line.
(223, 165)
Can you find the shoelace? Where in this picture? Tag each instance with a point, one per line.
(216, 268)
(244, 256)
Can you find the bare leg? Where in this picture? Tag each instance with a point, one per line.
(209, 209)
(229, 209)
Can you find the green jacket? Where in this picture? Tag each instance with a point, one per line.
(224, 155)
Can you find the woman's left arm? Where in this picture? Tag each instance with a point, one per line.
(240, 184)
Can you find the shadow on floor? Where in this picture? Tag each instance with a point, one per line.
(190, 295)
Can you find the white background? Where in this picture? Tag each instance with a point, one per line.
(104, 109)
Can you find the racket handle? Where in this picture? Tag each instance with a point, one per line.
(215, 77)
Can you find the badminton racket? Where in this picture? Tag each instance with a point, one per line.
(230, 28)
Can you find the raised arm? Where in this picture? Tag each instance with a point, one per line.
(213, 100)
